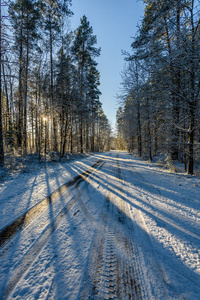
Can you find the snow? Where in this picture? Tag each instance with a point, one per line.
(25, 190)
(167, 208)
(51, 256)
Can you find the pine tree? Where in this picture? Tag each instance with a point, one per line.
(24, 18)
(64, 90)
(93, 103)
(54, 12)
(84, 51)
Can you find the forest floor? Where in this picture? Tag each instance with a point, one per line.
(122, 229)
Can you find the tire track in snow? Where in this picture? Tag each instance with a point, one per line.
(112, 271)
(148, 254)
(47, 233)
(9, 231)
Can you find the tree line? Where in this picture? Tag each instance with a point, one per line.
(160, 98)
(49, 82)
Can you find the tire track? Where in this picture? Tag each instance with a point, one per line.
(9, 231)
(112, 270)
(47, 233)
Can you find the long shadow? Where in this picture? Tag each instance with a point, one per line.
(158, 191)
(143, 167)
(175, 197)
(7, 270)
(10, 188)
(19, 224)
(165, 253)
(56, 259)
(10, 230)
(53, 239)
(54, 222)
(114, 189)
(77, 169)
(75, 253)
(75, 246)
(140, 164)
(15, 229)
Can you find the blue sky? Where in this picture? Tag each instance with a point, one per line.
(114, 22)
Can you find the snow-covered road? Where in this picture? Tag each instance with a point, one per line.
(125, 230)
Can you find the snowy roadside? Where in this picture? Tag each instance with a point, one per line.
(162, 208)
(24, 190)
(166, 209)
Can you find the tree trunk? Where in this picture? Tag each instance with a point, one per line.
(87, 136)
(71, 134)
(81, 133)
(149, 130)
(139, 133)
(8, 123)
(25, 95)
(52, 94)
(93, 135)
(1, 129)
(175, 82)
(190, 169)
(39, 139)
(192, 104)
(65, 136)
(20, 104)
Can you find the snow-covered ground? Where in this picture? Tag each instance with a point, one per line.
(128, 231)
(24, 190)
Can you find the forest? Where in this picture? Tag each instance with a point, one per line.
(50, 96)
(159, 100)
(86, 212)
(49, 102)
